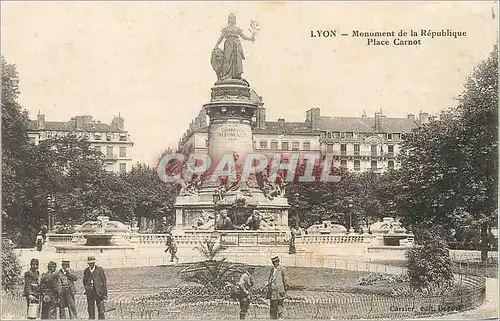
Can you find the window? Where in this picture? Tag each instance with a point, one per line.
(108, 137)
(109, 152)
(254, 144)
(390, 150)
(357, 165)
(396, 136)
(329, 134)
(374, 150)
(348, 135)
(284, 146)
(329, 148)
(295, 145)
(123, 167)
(263, 144)
(123, 137)
(306, 146)
(390, 164)
(343, 163)
(355, 135)
(123, 151)
(207, 143)
(374, 165)
(343, 149)
(97, 136)
(336, 135)
(389, 136)
(274, 145)
(356, 149)
(98, 149)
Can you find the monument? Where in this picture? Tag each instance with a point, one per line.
(241, 211)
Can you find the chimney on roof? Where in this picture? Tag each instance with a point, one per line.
(260, 117)
(118, 123)
(423, 117)
(281, 120)
(80, 121)
(364, 114)
(312, 117)
(40, 120)
(378, 120)
(411, 116)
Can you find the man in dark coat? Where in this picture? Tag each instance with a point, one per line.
(96, 289)
(245, 285)
(50, 288)
(67, 279)
(32, 283)
(276, 291)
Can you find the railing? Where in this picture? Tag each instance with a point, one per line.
(329, 239)
(252, 238)
(53, 238)
(241, 238)
(298, 305)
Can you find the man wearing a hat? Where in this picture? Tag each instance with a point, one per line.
(32, 283)
(245, 288)
(50, 291)
(67, 279)
(96, 289)
(276, 289)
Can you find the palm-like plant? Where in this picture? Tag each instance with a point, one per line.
(209, 249)
(215, 275)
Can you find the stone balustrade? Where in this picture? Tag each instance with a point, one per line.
(53, 239)
(331, 239)
(239, 238)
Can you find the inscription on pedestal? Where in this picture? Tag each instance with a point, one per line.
(227, 138)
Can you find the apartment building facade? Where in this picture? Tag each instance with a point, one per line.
(112, 140)
(356, 143)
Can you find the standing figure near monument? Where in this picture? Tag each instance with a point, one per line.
(276, 289)
(96, 288)
(245, 284)
(32, 288)
(50, 288)
(173, 250)
(67, 279)
(231, 66)
(39, 242)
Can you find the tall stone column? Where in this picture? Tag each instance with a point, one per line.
(230, 111)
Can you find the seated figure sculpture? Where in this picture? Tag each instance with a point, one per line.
(224, 222)
(255, 222)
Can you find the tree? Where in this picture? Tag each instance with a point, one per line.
(429, 263)
(449, 166)
(14, 150)
(11, 268)
(152, 198)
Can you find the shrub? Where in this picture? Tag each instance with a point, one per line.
(11, 268)
(429, 263)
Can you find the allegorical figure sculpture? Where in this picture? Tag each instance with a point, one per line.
(228, 63)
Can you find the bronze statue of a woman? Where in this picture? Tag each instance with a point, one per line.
(227, 63)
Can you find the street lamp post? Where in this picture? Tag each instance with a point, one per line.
(351, 230)
(297, 210)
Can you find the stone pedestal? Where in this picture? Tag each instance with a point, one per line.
(230, 137)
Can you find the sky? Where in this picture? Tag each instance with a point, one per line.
(150, 61)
